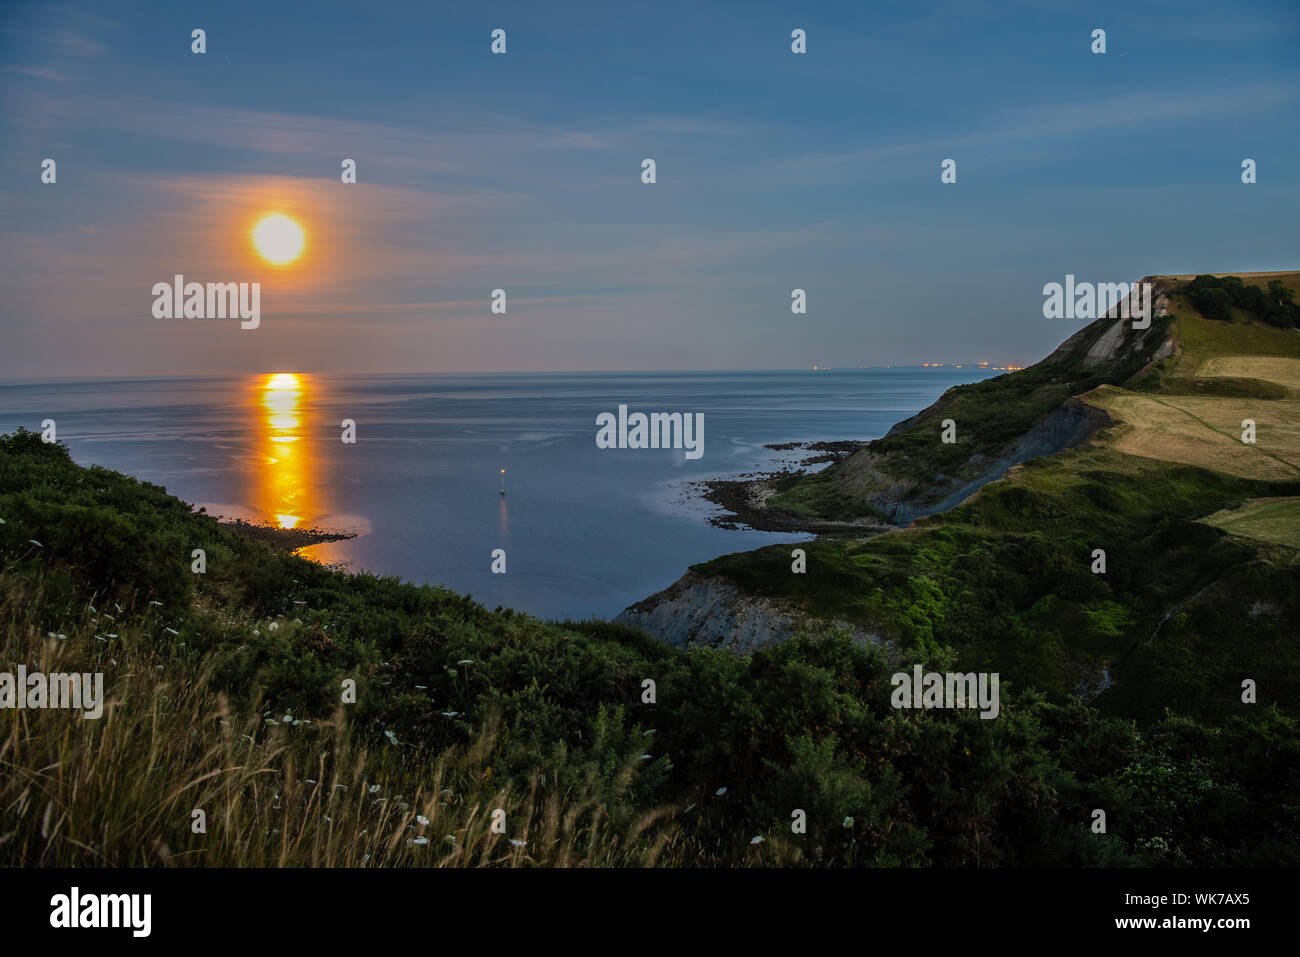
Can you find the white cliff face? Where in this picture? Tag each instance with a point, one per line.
(1107, 343)
(712, 612)
(1121, 334)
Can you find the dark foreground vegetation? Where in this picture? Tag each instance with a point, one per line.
(225, 696)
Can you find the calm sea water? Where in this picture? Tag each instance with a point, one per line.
(586, 531)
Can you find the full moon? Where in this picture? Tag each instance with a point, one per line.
(278, 238)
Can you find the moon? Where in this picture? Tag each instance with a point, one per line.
(278, 239)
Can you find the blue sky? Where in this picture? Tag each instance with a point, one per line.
(522, 171)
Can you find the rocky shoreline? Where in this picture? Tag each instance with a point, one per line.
(823, 452)
(744, 498)
(744, 501)
(285, 539)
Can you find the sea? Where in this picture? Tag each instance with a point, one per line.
(581, 531)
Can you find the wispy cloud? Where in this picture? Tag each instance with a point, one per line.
(1008, 127)
(41, 73)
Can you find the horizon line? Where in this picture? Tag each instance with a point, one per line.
(989, 367)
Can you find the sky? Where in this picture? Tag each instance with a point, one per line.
(523, 171)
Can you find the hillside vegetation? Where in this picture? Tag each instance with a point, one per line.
(224, 697)
(1201, 585)
(1199, 595)
(1011, 418)
(1187, 607)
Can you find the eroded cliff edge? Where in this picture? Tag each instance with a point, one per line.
(909, 474)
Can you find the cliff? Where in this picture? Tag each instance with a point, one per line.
(1087, 447)
(713, 612)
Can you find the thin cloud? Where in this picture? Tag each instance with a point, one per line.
(41, 73)
(1040, 122)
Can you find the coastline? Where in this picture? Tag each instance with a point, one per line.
(284, 539)
(744, 497)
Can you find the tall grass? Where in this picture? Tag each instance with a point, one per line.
(123, 790)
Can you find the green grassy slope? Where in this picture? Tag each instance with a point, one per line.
(1184, 611)
(224, 693)
(1274, 520)
(910, 470)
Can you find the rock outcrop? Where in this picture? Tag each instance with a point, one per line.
(711, 611)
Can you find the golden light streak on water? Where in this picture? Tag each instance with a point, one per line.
(284, 486)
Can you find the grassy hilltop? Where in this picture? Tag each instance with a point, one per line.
(1119, 691)
(1247, 352)
(1199, 528)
